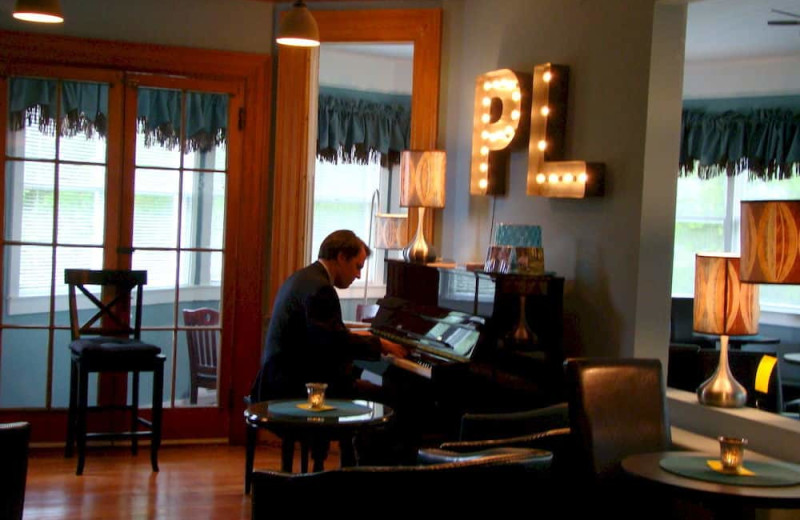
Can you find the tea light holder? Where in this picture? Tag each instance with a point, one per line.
(316, 394)
(731, 451)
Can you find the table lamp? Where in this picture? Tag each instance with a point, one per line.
(723, 306)
(770, 237)
(391, 231)
(422, 186)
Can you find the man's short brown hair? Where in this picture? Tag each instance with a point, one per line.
(342, 241)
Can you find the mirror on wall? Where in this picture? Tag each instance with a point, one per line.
(296, 94)
(364, 96)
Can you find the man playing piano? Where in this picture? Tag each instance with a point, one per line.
(307, 340)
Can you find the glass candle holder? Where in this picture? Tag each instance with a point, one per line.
(316, 394)
(731, 451)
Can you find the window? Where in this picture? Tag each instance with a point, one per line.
(89, 185)
(707, 219)
(343, 199)
(81, 210)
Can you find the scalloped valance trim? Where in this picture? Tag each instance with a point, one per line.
(33, 102)
(765, 143)
(356, 126)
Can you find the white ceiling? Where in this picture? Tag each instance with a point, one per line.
(391, 50)
(731, 29)
(715, 30)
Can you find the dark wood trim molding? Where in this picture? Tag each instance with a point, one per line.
(423, 28)
(247, 212)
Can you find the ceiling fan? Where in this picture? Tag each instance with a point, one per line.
(784, 22)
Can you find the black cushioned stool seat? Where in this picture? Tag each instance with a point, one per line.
(113, 346)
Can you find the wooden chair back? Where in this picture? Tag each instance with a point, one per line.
(113, 315)
(201, 339)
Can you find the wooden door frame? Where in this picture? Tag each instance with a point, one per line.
(422, 27)
(245, 258)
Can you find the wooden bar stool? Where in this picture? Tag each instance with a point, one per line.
(111, 346)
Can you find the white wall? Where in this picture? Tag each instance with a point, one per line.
(234, 25)
(594, 243)
(345, 69)
(774, 76)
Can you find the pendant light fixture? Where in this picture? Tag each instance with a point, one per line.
(39, 11)
(298, 27)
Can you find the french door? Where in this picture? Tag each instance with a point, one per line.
(110, 169)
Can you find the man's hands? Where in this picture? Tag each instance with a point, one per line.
(390, 348)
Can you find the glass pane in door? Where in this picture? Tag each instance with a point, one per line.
(54, 218)
(179, 221)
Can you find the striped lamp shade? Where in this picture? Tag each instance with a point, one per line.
(723, 305)
(422, 182)
(771, 241)
(391, 231)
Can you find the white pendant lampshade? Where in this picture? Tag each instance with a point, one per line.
(298, 27)
(39, 11)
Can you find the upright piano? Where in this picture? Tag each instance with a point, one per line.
(479, 342)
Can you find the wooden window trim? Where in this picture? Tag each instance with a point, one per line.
(291, 162)
(244, 286)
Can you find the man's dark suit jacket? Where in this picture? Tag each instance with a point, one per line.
(307, 340)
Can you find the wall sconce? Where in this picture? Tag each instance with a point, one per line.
(422, 185)
(547, 177)
(500, 123)
(39, 11)
(723, 306)
(298, 28)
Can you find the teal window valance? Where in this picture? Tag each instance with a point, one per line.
(360, 126)
(763, 140)
(159, 116)
(84, 105)
(33, 101)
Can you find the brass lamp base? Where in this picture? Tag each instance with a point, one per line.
(722, 389)
(522, 336)
(419, 251)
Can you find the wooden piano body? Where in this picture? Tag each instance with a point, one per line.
(504, 370)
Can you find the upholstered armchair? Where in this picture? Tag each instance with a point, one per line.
(444, 480)
(615, 408)
(475, 426)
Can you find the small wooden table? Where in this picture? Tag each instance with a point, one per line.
(312, 428)
(734, 500)
(792, 357)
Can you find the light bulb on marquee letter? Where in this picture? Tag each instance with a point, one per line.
(548, 124)
(498, 127)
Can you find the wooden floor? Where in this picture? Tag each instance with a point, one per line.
(195, 482)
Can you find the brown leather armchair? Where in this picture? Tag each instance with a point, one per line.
(14, 442)
(616, 408)
(442, 481)
(475, 426)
